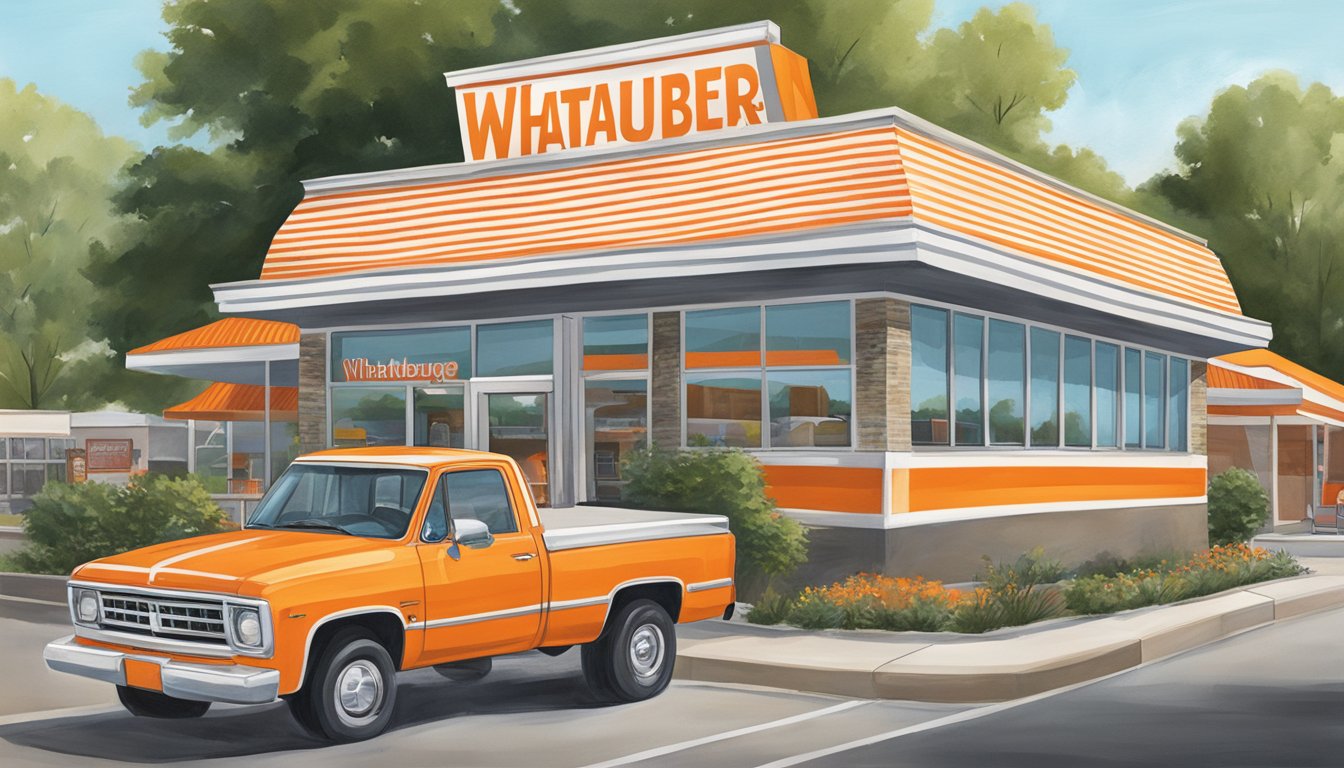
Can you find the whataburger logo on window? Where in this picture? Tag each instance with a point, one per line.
(629, 94)
(362, 369)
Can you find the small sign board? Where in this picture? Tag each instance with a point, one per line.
(76, 465)
(108, 455)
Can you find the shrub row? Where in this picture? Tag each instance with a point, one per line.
(1014, 594)
(1222, 567)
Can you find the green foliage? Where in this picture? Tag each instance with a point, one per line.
(1218, 569)
(1261, 174)
(70, 524)
(1238, 506)
(817, 612)
(722, 482)
(771, 608)
(57, 172)
(1013, 594)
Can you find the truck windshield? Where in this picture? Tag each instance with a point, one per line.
(336, 499)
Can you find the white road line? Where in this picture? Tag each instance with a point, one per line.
(929, 725)
(18, 599)
(649, 754)
(55, 714)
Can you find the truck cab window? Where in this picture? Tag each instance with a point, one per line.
(436, 519)
(480, 494)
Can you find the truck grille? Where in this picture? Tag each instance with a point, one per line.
(160, 617)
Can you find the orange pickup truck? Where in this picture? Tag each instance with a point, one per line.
(359, 563)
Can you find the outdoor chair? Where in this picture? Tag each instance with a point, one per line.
(1329, 518)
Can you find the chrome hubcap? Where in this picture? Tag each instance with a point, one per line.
(646, 652)
(359, 692)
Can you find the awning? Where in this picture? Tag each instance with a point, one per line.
(1259, 383)
(235, 350)
(223, 401)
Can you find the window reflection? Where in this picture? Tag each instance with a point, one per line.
(368, 416)
(1077, 392)
(808, 334)
(616, 423)
(723, 410)
(928, 376)
(968, 339)
(1107, 393)
(724, 338)
(439, 417)
(1154, 381)
(616, 343)
(1044, 416)
(809, 409)
(1007, 382)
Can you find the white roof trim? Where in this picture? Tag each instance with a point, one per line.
(1309, 393)
(619, 54)
(1251, 397)
(882, 242)
(258, 353)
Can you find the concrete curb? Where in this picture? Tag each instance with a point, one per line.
(965, 669)
(33, 586)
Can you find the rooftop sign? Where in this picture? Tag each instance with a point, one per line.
(626, 94)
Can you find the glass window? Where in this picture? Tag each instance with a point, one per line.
(367, 416)
(1133, 398)
(435, 528)
(362, 501)
(520, 429)
(1077, 392)
(724, 338)
(1007, 382)
(1044, 417)
(412, 354)
(616, 424)
(4, 449)
(28, 479)
(27, 448)
(616, 343)
(928, 376)
(1154, 399)
(284, 446)
(480, 494)
(57, 446)
(515, 349)
(439, 417)
(1178, 404)
(723, 410)
(968, 335)
(248, 461)
(808, 334)
(1108, 391)
(809, 409)
(4, 477)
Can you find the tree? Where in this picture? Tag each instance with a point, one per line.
(1262, 173)
(57, 173)
(289, 91)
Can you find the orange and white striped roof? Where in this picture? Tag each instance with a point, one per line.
(1258, 382)
(691, 193)
(224, 401)
(229, 332)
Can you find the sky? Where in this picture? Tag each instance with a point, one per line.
(1143, 65)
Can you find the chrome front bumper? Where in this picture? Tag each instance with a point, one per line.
(232, 683)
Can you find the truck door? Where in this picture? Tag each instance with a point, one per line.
(478, 601)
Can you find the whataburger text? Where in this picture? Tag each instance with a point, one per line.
(532, 118)
(362, 369)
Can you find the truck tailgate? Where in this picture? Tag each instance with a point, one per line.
(576, 527)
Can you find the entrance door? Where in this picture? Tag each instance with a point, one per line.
(517, 423)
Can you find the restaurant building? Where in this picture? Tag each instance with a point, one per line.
(937, 353)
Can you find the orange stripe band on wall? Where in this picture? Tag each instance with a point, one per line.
(826, 489)
(933, 488)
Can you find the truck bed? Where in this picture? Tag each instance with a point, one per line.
(588, 526)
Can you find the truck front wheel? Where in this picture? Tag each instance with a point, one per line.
(351, 692)
(633, 658)
(142, 703)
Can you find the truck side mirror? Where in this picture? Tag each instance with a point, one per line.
(472, 533)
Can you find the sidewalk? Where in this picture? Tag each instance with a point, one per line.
(997, 666)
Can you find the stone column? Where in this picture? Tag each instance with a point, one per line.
(882, 370)
(1199, 407)
(313, 392)
(665, 380)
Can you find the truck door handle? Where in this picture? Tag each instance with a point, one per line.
(523, 556)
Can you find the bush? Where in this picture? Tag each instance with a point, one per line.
(722, 482)
(1012, 595)
(771, 608)
(1238, 507)
(71, 524)
(1218, 569)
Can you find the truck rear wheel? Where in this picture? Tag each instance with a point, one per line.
(142, 703)
(351, 692)
(632, 659)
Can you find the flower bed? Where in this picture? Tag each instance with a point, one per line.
(1015, 594)
(1220, 568)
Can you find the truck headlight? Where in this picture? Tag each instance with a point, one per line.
(86, 605)
(247, 627)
